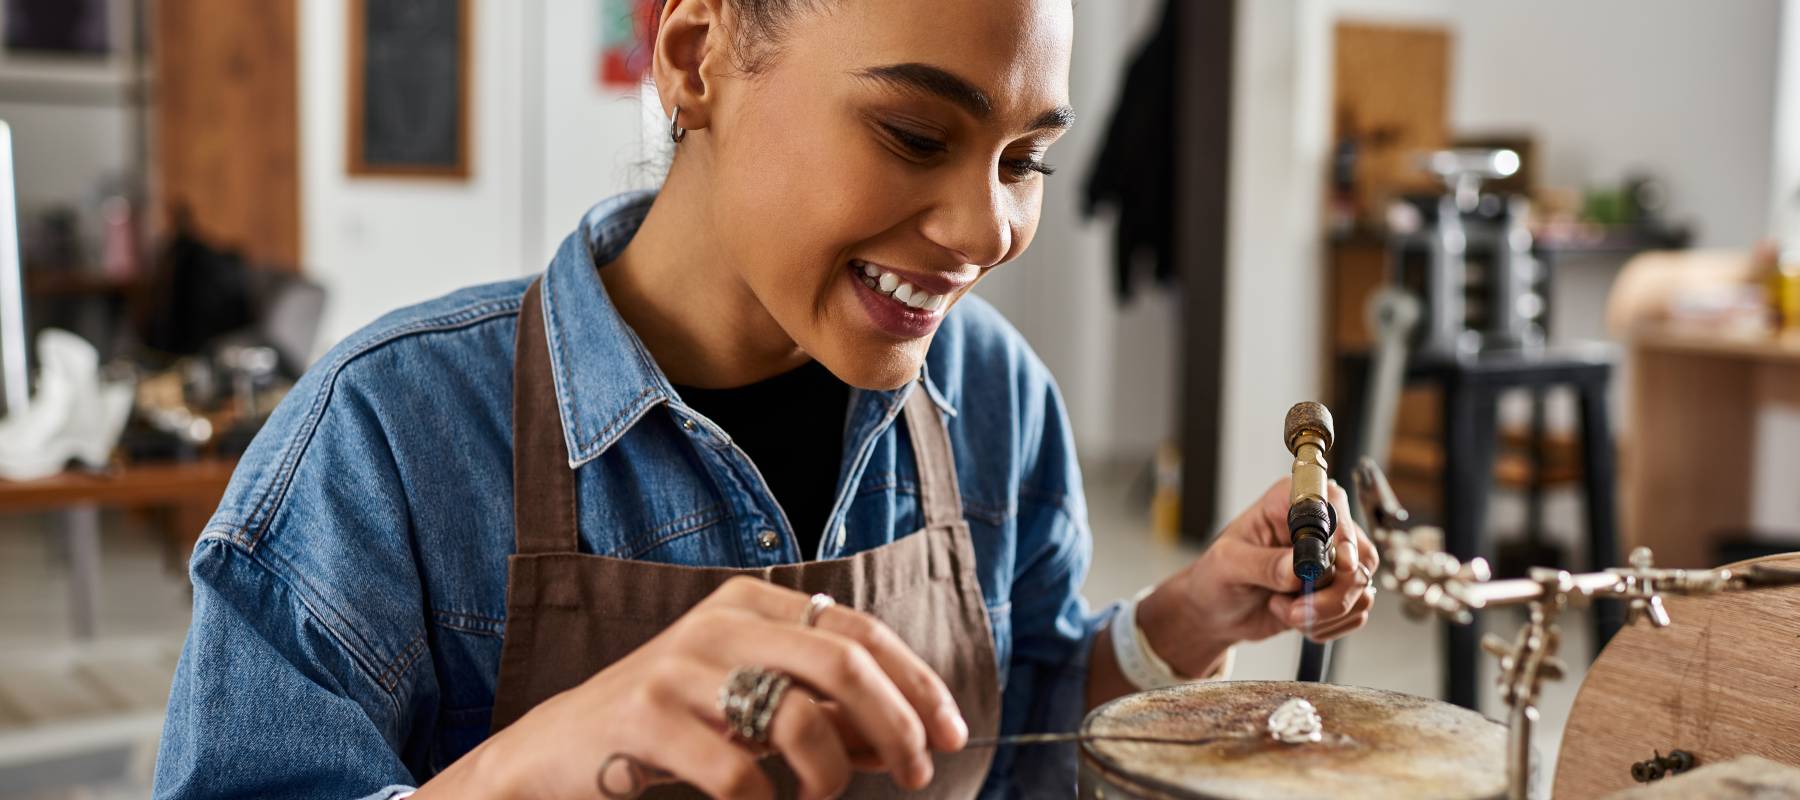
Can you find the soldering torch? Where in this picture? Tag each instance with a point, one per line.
(1311, 518)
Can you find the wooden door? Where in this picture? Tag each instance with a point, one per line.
(226, 123)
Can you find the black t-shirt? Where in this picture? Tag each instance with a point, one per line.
(792, 427)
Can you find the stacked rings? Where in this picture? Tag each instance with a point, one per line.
(749, 699)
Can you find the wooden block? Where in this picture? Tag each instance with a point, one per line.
(1721, 682)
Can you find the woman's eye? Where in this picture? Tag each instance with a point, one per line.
(1021, 168)
(919, 145)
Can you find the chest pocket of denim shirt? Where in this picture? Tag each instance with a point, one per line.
(1000, 621)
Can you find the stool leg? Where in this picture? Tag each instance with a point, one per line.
(1350, 444)
(1468, 473)
(1534, 490)
(1600, 500)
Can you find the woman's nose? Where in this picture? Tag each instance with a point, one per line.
(973, 220)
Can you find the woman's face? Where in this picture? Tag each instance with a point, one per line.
(886, 157)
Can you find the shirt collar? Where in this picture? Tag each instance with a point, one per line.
(605, 378)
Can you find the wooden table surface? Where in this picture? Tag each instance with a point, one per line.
(192, 483)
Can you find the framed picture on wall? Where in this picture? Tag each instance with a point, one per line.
(409, 88)
(58, 27)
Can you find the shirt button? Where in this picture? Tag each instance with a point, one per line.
(687, 424)
(768, 540)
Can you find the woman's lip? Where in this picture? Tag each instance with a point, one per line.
(889, 315)
(933, 282)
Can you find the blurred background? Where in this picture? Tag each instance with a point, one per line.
(1582, 207)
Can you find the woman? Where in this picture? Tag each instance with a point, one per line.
(497, 544)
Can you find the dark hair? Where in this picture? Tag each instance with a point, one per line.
(763, 24)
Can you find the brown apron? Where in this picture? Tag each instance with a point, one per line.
(570, 614)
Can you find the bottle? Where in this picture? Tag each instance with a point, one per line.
(1786, 291)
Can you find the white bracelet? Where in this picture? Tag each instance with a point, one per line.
(1140, 665)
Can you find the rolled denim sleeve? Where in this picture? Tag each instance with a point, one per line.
(306, 661)
(266, 703)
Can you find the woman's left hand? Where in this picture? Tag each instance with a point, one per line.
(1243, 588)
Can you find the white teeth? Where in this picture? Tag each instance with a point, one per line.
(905, 293)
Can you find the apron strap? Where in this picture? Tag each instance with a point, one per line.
(938, 492)
(544, 518)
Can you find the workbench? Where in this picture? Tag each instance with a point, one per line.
(1689, 457)
(189, 490)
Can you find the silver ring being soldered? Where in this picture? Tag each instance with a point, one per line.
(748, 700)
(815, 607)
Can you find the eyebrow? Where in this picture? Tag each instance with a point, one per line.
(947, 85)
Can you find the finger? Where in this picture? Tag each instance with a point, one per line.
(921, 687)
(1247, 564)
(693, 751)
(1325, 606)
(862, 754)
(808, 738)
(1348, 560)
(836, 667)
(1355, 619)
(1342, 628)
(937, 708)
(1367, 554)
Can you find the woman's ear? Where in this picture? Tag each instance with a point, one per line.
(690, 42)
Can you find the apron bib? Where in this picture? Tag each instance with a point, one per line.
(570, 614)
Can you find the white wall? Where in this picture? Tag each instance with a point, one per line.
(61, 150)
(1784, 191)
(547, 143)
(594, 140)
(1116, 365)
(1682, 87)
(379, 243)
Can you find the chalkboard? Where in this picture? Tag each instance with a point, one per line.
(409, 88)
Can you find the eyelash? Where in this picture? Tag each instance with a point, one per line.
(926, 147)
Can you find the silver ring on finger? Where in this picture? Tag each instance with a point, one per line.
(816, 606)
(748, 700)
(634, 777)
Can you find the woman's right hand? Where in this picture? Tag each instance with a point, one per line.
(861, 699)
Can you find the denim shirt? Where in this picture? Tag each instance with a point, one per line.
(350, 592)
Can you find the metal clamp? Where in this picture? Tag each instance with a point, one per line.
(1658, 766)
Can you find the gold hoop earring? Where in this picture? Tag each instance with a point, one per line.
(676, 132)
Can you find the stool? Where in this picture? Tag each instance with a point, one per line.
(1471, 388)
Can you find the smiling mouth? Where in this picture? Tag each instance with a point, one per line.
(895, 288)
